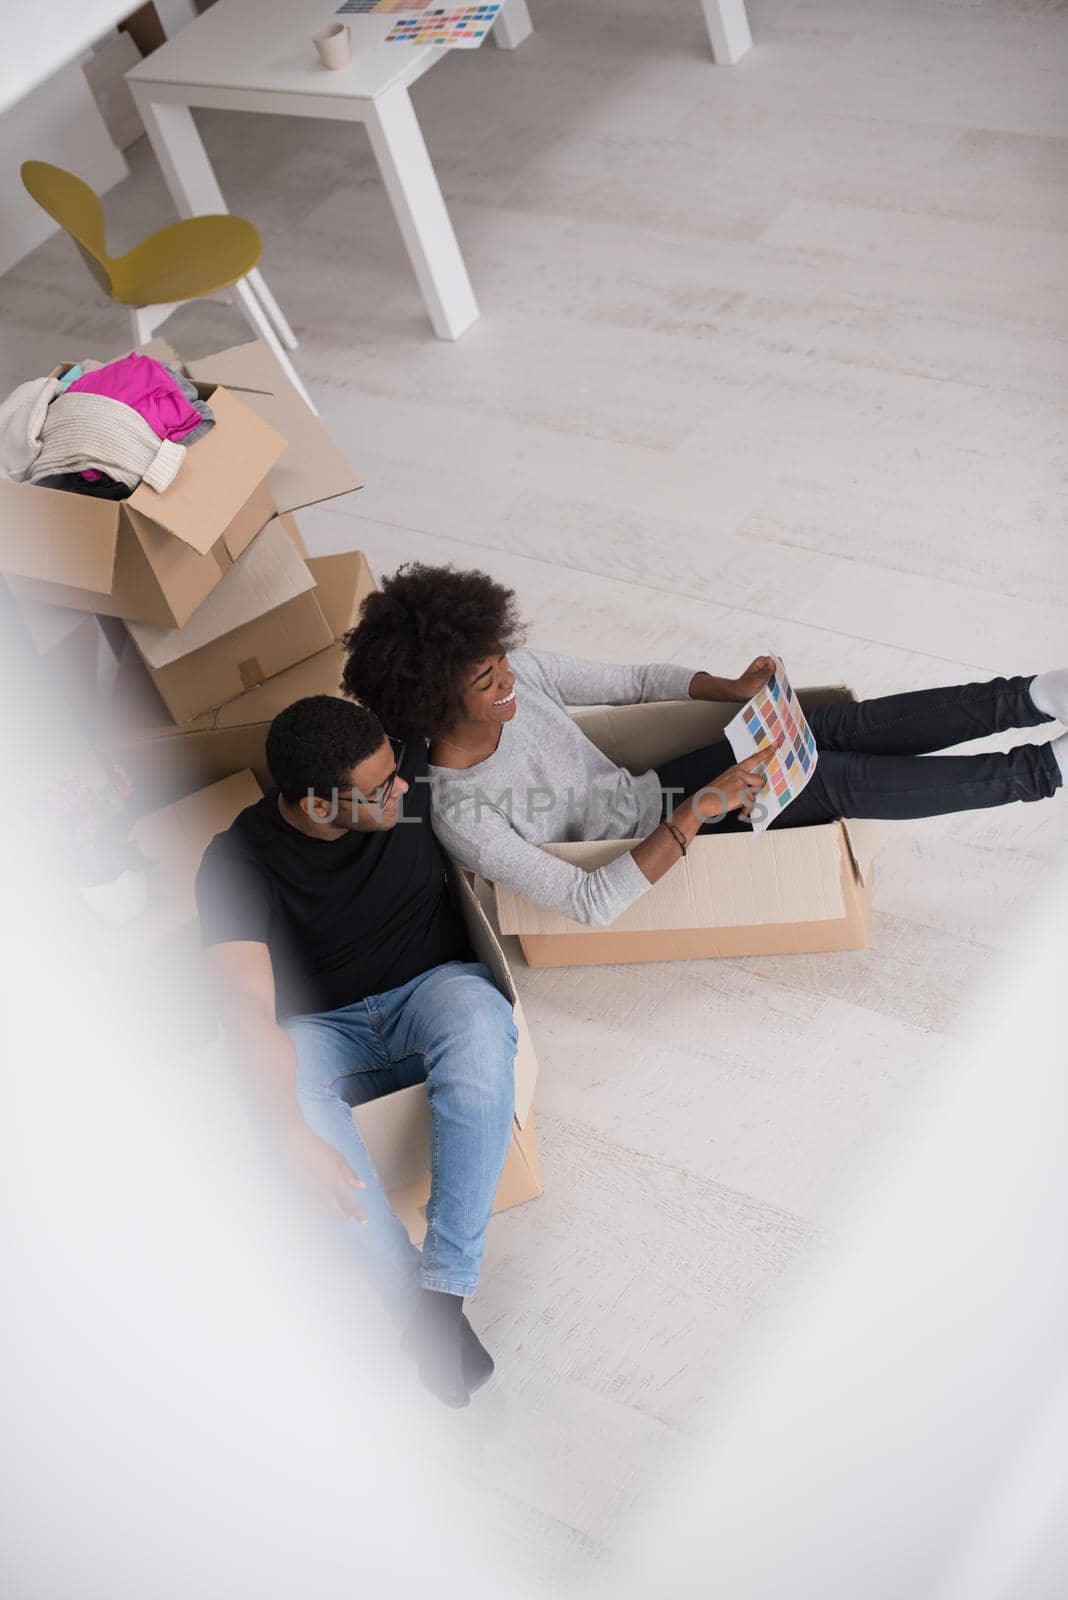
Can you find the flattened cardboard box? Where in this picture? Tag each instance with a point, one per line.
(785, 890)
(165, 760)
(396, 1127)
(263, 617)
(125, 558)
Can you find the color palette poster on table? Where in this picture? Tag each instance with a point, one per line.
(461, 27)
(772, 711)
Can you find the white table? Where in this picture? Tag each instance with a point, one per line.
(726, 20)
(36, 42)
(255, 55)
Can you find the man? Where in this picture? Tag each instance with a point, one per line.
(344, 973)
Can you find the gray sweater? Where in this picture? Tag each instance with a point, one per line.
(547, 783)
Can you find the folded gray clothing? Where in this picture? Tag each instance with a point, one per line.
(93, 431)
(22, 416)
(189, 389)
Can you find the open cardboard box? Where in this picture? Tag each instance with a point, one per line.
(79, 652)
(396, 1127)
(155, 557)
(781, 891)
(173, 839)
(264, 616)
(165, 759)
(158, 951)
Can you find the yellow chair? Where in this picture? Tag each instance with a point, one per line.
(197, 259)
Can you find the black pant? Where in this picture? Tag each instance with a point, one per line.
(868, 752)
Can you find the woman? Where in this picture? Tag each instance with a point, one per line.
(434, 655)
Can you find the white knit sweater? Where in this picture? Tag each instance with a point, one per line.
(92, 430)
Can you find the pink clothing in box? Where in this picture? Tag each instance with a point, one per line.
(149, 389)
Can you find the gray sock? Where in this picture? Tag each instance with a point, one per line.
(1049, 691)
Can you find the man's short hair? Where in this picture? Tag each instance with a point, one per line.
(315, 743)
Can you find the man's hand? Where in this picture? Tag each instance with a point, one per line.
(323, 1173)
(755, 676)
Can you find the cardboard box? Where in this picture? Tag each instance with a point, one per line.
(396, 1127)
(264, 616)
(159, 950)
(79, 654)
(174, 838)
(156, 557)
(153, 557)
(165, 759)
(105, 72)
(784, 890)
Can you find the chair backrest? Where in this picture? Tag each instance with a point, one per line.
(77, 210)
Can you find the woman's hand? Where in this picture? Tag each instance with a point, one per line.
(737, 788)
(755, 676)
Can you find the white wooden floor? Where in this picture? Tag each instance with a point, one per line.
(771, 357)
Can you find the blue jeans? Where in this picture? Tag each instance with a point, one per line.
(452, 1029)
(868, 758)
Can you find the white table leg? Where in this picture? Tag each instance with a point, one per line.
(272, 308)
(190, 177)
(260, 323)
(174, 15)
(182, 158)
(513, 25)
(728, 30)
(397, 142)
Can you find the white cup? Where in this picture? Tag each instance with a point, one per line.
(334, 45)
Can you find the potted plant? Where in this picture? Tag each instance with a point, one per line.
(107, 865)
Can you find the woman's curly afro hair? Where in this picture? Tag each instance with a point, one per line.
(418, 638)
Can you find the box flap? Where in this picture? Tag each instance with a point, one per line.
(737, 880)
(269, 574)
(488, 949)
(862, 836)
(344, 580)
(58, 537)
(221, 470)
(312, 468)
(645, 735)
(175, 838)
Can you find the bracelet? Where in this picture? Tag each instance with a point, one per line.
(677, 835)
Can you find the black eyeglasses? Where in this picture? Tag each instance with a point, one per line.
(384, 789)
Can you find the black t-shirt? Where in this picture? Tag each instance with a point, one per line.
(342, 918)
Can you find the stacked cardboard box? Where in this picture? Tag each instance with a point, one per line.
(210, 576)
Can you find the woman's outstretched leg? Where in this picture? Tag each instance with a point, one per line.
(922, 720)
(849, 783)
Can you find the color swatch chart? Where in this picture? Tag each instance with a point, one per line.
(462, 27)
(772, 711)
(361, 7)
